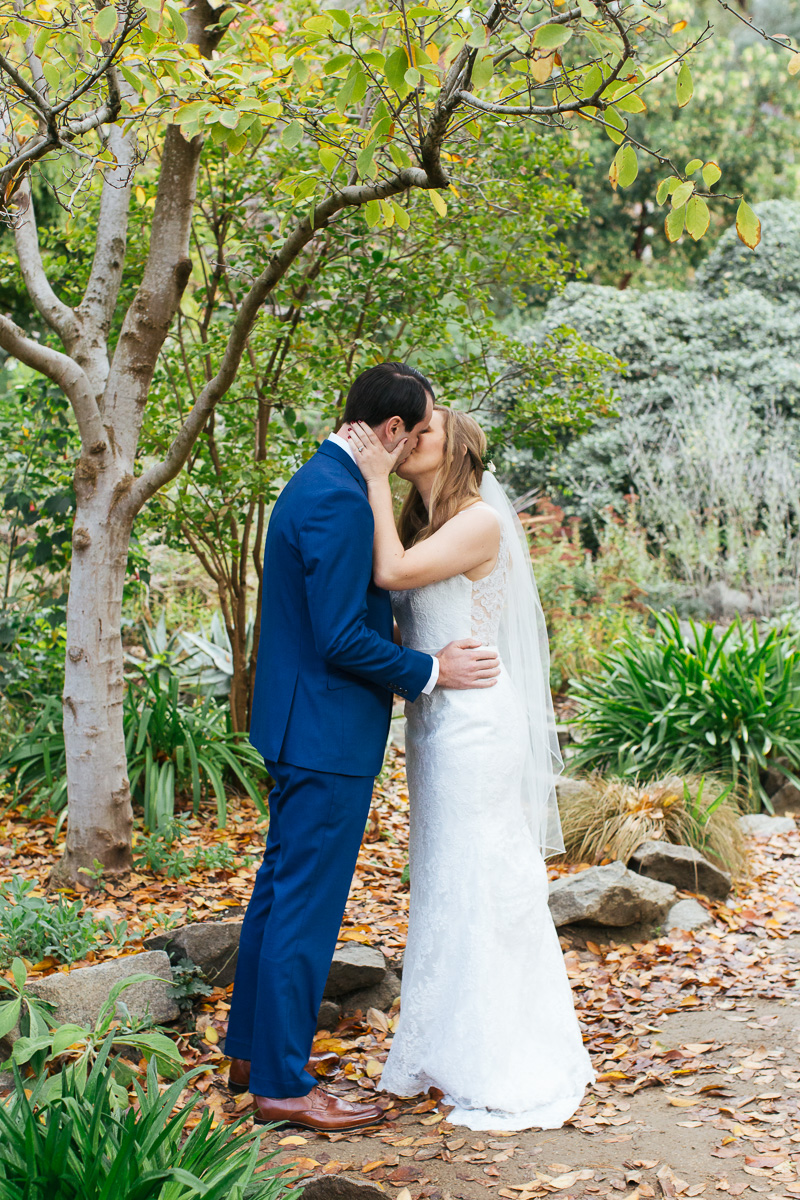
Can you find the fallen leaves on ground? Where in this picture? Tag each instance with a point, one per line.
(623, 993)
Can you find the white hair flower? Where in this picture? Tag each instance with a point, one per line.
(489, 466)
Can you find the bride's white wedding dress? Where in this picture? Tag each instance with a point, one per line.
(486, 1012)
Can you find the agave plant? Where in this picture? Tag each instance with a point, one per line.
(703, 703)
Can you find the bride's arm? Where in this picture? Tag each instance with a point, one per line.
(467, 541)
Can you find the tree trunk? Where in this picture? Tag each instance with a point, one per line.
(100, 813)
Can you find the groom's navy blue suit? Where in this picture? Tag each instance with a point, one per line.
(327, 668)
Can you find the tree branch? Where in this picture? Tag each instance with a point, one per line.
(58, 315)
(356, 196)
(65, 373)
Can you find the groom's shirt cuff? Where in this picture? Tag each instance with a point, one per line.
(434, 679)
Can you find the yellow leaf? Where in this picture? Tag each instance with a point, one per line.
(404, 1194)
(211, 1036)
(542, 67)
(373, 1068)
(141, 195)
(437, 202)
(794, 64)
(294, 1140)
(679, 25)
(748, 228)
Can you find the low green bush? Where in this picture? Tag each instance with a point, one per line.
(173, 749)
(87, 1141)
(34, 927)
(701, 703)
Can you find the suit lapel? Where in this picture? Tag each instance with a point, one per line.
(331, 450)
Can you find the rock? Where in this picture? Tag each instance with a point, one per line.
(610, 895)
(213, 946)
(354, 967)
(381, 996)
(341, 1187)
(569, 789)
(773, 778)
(787, 798)
(687, 914)
(79, 995)
(727, 602)
(682, 866)
(761, 825)
(329, 1014)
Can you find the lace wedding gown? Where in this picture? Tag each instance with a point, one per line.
(486, 1010)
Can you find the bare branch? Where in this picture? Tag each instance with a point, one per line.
(65, 373)
(58, 315)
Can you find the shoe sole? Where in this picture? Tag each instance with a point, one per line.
(316, 1128)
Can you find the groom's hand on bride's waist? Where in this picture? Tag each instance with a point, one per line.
(468, 664)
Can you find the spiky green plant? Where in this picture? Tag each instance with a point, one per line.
(664, 703)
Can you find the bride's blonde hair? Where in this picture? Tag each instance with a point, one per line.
(457, 482)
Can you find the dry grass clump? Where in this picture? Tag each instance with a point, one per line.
(609, 818)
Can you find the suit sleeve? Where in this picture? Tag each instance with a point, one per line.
(336, 547)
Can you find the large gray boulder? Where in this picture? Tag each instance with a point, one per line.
(688, 915)
(213, 946)
(354, 967)
(610, 895)
(682, 866)
(761, 825)
(787, 798)
(79, 995)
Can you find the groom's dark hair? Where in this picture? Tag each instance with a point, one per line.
(392, 389)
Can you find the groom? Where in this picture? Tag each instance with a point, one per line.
(327, 669)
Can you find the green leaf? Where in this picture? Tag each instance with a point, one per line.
(19, 973)
(292, 135)
(684, 86)
(9, 1015)
(682, 193)
(673, 226)
(693, 166)
(42, 38)
(340, 17)
(412, 77)
(328, 157)
(483, 70)
(105, 22)
(66, 1036)
(592, 82)
(178, 24)
(365, 161)
(615, 125)
(401, 214)
(399, 157)
(300, 68)
(666, 187)
(711, 173)
(697, 217)
(748, 225)
(627, 165)
(337, 62)
(550, 37)
(318, 24)
(437, 201)
(372, 213)
(396, 67)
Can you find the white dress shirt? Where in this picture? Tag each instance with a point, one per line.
(343, 444)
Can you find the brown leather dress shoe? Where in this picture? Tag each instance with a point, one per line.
(239, 1073)
(318, 1110)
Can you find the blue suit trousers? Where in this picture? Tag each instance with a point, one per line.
(292, 922)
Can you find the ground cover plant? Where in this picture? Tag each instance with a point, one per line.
(606, 819)
(688, 698)
(36, 927)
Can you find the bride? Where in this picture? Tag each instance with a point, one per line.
(486, 1008)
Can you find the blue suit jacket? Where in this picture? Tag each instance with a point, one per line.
(327, 665)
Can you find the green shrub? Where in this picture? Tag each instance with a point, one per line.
(85, 1142)
(34, 927)
(173, 749)
(157, 851)
(663, 703)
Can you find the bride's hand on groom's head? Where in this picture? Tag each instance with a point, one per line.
(374, 461)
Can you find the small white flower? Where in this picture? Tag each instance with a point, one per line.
(491, 467)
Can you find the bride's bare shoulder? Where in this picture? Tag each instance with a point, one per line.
(479, 518)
